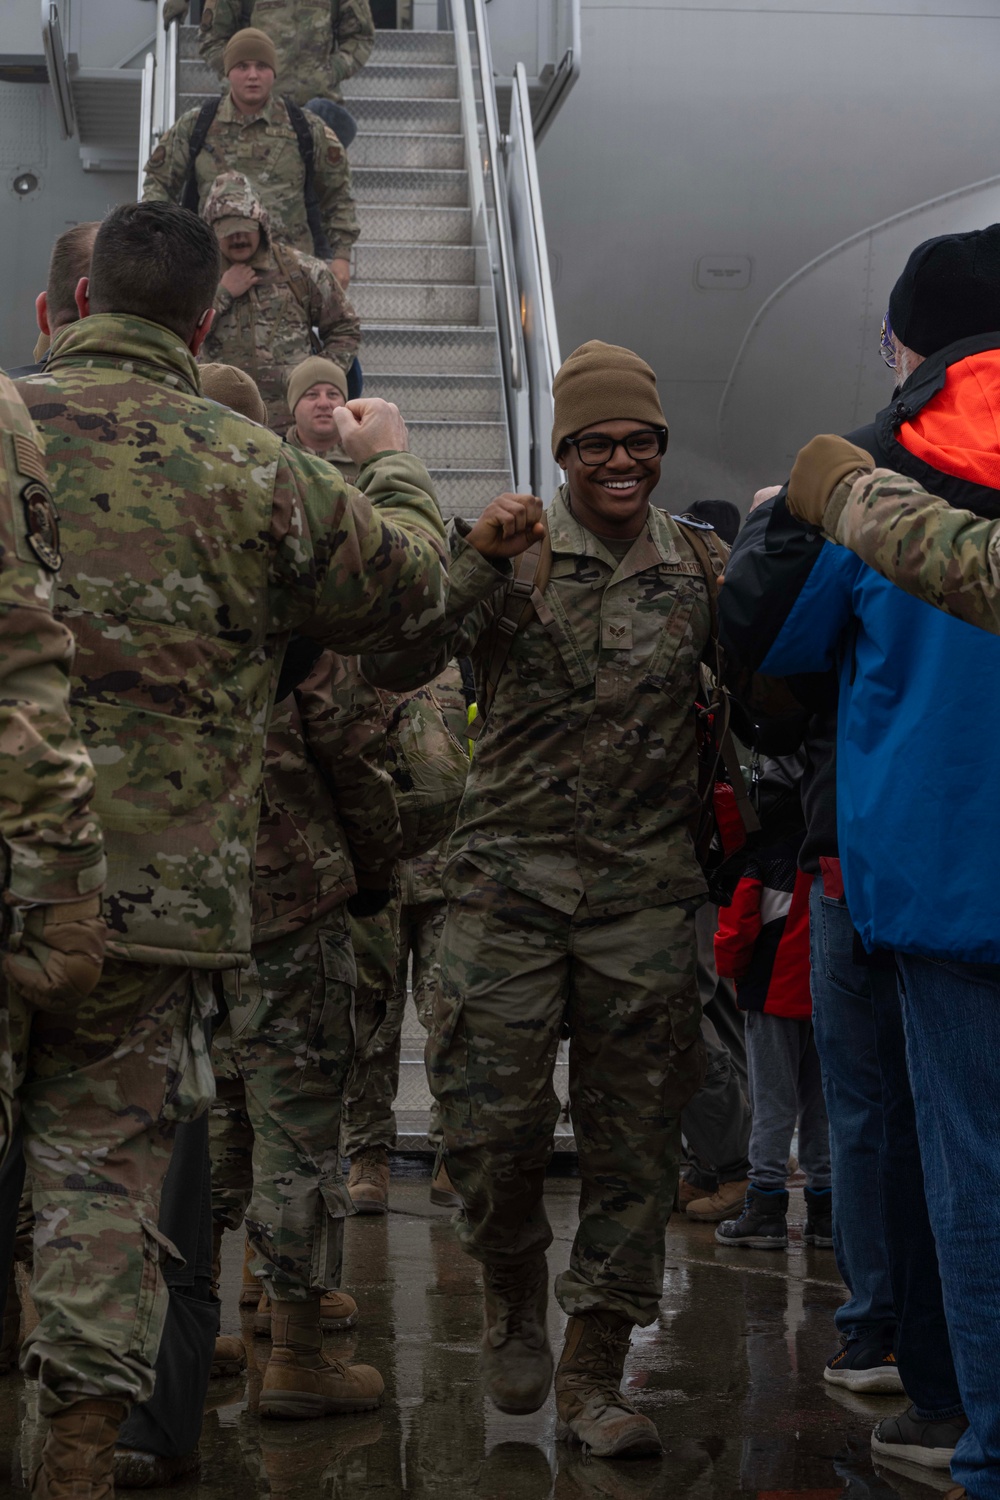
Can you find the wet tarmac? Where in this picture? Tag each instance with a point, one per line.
(731, 1374)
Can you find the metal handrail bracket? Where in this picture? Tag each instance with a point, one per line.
(55, 59)
(566, 74)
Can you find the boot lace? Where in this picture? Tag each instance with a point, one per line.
(369, 1167)
(597, 1367)
(516, 1289)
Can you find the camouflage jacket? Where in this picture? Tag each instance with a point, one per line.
(194, 541)
(948, 557)
(329, 810)
(319, 42)
(584, 779)
(264, 148)
(420, 878)
(335, 456)
(51, 838)
(268, 330)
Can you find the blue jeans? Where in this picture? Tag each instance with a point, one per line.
(951, 1015)
(844, 1029)
(340, 120)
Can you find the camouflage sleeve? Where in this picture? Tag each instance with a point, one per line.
(167, 167)
(343, 725)
(332, 314)
(948, 557)
(358, 569)
(220, 19)
(333, 190)
(355, 36)
(476, 590)
(53, 841)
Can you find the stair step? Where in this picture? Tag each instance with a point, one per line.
(465, 492)
(407, 225)
(388, 148)
(406, 116)
(390, 46)
(392, 185)
(445, 397)
(395, 349)
(402, 81)
(438, 263)
(459, 445)
(410, 302)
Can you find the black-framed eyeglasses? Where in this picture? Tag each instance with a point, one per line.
(596, 448)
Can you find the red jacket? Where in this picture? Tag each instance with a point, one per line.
(763, 937)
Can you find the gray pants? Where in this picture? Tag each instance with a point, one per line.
(716, 1123)
(785, 1086)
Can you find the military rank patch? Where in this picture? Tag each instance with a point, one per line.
(28, 457)
(42, 524)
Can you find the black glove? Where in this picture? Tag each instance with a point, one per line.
(368, 903)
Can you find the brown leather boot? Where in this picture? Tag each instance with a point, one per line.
(229, 1357)
(300, 1381)
(78, 1457)
(337, 1311)
(725, 1203)
(517, 1359)
(250, 1286)
(368, 1183)
(10, 1325)
(589, 1404)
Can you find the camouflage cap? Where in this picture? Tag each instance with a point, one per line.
(314, 371)
(249, 45)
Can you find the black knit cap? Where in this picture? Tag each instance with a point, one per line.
(949, 290)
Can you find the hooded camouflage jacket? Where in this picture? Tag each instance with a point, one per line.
(264, 148)
(329, 809)
(319, 42)
(52, 840)
(193, 542)
(268, 330)
(948, 557)
(584, 780)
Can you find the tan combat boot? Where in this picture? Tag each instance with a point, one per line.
(725, 1203)
(337, 1311)
(229, 1357)
(10, 1324)
(249, 1286)
(443, 1192)
(368, 1183)
(589, 1404)
(78, 1457)
(687, 1193)
(517, 1359)
(300, 1381)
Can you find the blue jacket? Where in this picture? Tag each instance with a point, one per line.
(918, 815)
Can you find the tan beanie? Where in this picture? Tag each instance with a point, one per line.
(314, 371)
(603, 383)
(249, 45)
(233, 388)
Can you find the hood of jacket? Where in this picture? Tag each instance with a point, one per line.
(958, 431)
(231, 196)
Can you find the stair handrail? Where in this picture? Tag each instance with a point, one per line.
(58, 68)
(146, 99)
(567, 71)
(531, 259)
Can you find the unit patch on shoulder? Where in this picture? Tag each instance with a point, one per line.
(42, 525)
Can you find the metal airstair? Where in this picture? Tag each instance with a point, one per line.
(450, 281)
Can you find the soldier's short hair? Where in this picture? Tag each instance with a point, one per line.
(70, 260)
(156, 261)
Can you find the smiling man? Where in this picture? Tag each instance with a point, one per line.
(572, 885)
(316, 389)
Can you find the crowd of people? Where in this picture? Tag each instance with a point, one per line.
(280, 749)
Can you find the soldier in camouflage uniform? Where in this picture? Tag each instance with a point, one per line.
(319, 43)
(252, 134)
(270, 299)
(193, 542)
(385, 946)
(946, 556)
(316, 389)
(326, 843)
(572, 885)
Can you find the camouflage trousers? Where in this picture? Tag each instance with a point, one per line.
(517, 976)
(100, 1094)
(378, 1023)
(282, 1063)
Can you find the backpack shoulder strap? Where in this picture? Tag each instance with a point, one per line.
(322, 248)
(532, 571)
(207, 113)
(246, 14)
